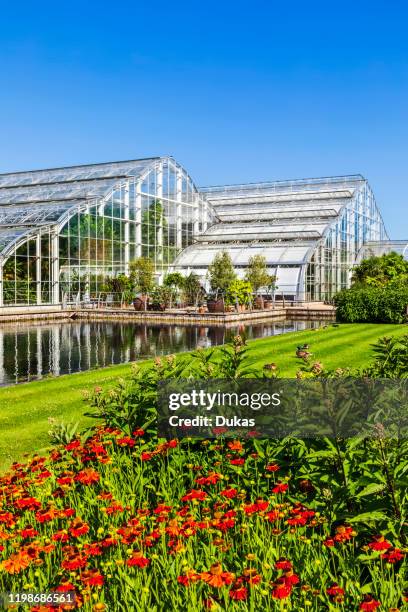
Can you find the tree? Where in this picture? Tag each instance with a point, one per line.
(379, 271)
(192, 288)
(142, 274)
(174, 279)
(257, 273)
(221, 272)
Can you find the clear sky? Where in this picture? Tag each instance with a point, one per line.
(236, 91)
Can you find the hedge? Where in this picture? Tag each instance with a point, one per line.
(372, 304)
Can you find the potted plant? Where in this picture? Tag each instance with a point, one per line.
(221, 274)
(215, 302)
(239, 294)
(257, 274)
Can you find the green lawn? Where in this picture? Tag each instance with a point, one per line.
(26, 408)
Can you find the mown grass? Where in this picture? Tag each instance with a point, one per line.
(25, 409)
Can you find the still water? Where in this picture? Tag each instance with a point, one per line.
(33, 351)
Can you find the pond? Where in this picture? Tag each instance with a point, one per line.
(36, 350)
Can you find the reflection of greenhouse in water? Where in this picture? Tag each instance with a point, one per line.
(30, 351)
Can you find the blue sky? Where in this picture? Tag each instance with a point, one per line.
(236, 91)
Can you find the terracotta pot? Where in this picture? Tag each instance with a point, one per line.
(259, 303)
(216, 305)
(140, 303)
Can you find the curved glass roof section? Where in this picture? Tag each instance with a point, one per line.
(382, 247)
(283, 220)
(41, 197)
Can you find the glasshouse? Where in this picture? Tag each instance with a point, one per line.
(309, 231)
(63, 231)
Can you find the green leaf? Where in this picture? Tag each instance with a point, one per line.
(371, 489)
(368, 517)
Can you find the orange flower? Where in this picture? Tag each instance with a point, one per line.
(216, 577)
(235, 446)
(88, 476)
(16, 563)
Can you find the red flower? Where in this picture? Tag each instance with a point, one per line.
(65, 587)
(258, 506)
(281, 590)
(237, 461)
(290, 578)
(379, 543)
(393, 556)
(27, 503)
(126, 441)
(88, 476)
(212, 478)
(73, 445)
(239, 593)
(145, 456)
(139, 432)
(162, 509)
(138, 560)
(329, 542)
(280, 487)
(344, 533)
(194, 494)
(336, 593)
(92, 578)
(28, 532)
(369, 603)
(272, 516)
(272, 467)
(114, 508)
(78, 528)
(283, 564)
(229, 493)
(73, 562)
(60, 536)
(65, 480)
(93, 550)
(188, 577)
(68, 512)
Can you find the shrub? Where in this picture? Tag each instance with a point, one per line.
(239, 291)
(369, 304)
(379, 271)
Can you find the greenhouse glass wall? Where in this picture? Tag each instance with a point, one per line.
(64, 230)
(309, 231)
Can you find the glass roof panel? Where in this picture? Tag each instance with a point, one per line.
(202, 255)
(10, 234)
(35, 214)
(76, 173)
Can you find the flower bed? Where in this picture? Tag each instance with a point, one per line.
(128, 522)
